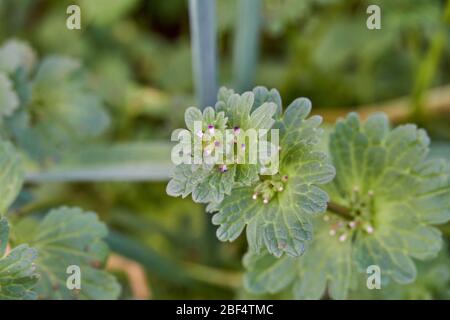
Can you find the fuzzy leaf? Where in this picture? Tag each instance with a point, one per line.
(69, 104)
(215, 186)
(284, 224)
(4, 234)
(17, 274)
(8, 98)
(392, 191)
(65, 237)
(262, 95)
(388, 172)
(14, 55)
(11, 176)
(206, 182)
(185, 179)
(57, 110)
(191, 115)
(267, 274)
(326, 263)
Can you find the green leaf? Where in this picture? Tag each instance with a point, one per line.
(209, 183)
(4, 235)
(267, 274)
(16, 54)
(191, 115)
(65, 237)
(224, 94)
(262, 117)
(185, 179)
(17, 274)
(246, 175)
(237, 109)
(215, 186)
(386, 180)
(57, 109)
(8, 98)
(327, 263)
(206, 183)
(432, 283)
(283, 225)
(263, 95)
(11, 175)
(66, 100)
(17, 269)
(392, 193)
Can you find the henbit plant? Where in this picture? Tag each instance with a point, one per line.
(64, 237)
(41, 116)
(369, 198)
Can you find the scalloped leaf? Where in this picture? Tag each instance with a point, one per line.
(57, 109)
(387, 171)
(262, 95)
(284, 224)
(206, 182)
(327, 263)
(65, 237)
(393, 193)
(8, 98)
(18, 275)
(243, 112)
(4, 234)
(11, 175)
(16, 54)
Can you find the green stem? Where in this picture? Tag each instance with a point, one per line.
(222, 278)
(339, 210)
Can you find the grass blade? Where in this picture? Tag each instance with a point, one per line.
(202, 15)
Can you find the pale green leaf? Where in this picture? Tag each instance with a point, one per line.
(65, 237)
(281, 226)
(267, 274)
(8, 98)
(191, 115)
(326, 264)
(18, 275)
(263, 95)
(284, 224)
(11, 175)
(389, 186)
(4, 235)
(16, 54)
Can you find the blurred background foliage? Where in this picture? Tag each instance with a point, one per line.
(136, 59)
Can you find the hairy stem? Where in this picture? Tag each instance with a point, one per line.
(339, 210)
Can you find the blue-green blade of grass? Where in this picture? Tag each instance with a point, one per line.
(204, 57)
